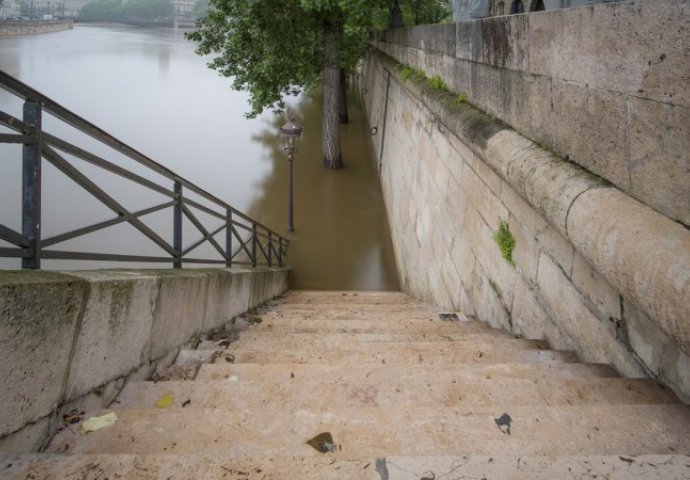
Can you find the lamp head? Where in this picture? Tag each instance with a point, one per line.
(290, 136)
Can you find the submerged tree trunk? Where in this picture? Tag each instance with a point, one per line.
(342, 98)
(396, 18)
(332, 155)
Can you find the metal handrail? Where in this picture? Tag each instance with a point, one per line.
(263, 246)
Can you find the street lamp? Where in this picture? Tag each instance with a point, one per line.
(290, 134)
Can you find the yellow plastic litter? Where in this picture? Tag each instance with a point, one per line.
(165, 401)
(96, 423)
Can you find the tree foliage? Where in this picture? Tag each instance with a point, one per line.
(422, 12)
(117, 10)
(274, 48)
(416, 12)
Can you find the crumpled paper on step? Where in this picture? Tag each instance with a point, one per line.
(96, 423)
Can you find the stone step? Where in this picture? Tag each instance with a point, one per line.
(320, 388)
(516, 370)
(298, 325)
(391, 354)
(531, 371)
(380, 432)
(326, 467)
(255, 340)
(345, 312)
(345, 297)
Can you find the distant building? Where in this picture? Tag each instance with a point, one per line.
(471, 9)
(72, 7)
(10, 9)
(183, 7)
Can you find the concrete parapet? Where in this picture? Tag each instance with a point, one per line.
(645, 255)
(41, 313)
(71, 338)
(24, 27)
(605, 84)
(594, 269)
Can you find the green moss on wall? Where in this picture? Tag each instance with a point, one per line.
(505, 241)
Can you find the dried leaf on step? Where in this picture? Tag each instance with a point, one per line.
(504, 422)
(323, 442)
(96, 423)
(165, 401)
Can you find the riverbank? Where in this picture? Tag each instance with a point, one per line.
(34, 27)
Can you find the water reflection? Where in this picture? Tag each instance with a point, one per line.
(148, 88)
(341, 237)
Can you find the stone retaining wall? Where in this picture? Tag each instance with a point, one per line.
(77, 337)
(606, 85)
(16, 27)
(594, 270)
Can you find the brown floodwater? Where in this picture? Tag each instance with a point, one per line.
(148, 88)
(341, 238)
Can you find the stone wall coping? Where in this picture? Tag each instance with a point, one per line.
(74, 338)
(642, 253)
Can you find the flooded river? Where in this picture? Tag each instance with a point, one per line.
(148, 88)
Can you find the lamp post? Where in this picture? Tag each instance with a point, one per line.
(290, 135)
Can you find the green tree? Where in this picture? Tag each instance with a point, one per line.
(117, 10)
(148, 10)
(276, 48)
(99, 10)
(422, 12)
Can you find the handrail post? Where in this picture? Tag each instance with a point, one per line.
(228, 238)
(177, 225)
(31, 186)
(270, 248)
(254, 240)
(280, 251)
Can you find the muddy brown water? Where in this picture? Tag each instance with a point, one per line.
(148, 88)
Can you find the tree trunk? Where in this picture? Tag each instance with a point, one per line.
(396, 18)
(332, 155)
(342, 98)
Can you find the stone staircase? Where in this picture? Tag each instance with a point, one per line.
(385, 390)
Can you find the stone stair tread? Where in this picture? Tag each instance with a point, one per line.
(345, 297)
(217, 467)
(363, 311)
(349, 315)
(419, 354)
(532, 371)
(533, 467)
(406, 431)
(255, 340)
(376, 386)
(286, 325)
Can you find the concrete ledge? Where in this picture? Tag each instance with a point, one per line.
(40, 314)
(604, 84)
(644, 254)
(16, 27)
(67, 339)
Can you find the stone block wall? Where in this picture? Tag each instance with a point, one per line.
(17, 27)
(74, 339)
(605, 85)
(594, 270)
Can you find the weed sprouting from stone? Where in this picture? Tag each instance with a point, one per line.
(436, 83)
(505, 241)
(406, 73)
(409, 72)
